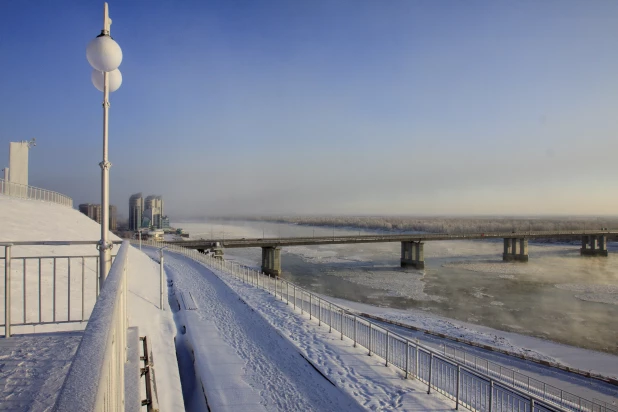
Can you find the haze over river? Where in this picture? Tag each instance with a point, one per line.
(557, 295)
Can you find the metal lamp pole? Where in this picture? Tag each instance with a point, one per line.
(104, 245)
(161, 277)
(104, 55)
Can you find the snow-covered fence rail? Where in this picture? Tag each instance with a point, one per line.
(29, 192)
(525, 382)
(470, 388)
(44, 289)
(95, 381)
(587, 374)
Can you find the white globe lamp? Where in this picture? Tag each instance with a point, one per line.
(104, 54)
(114, 79)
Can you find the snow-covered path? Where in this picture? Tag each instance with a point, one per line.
(33, 369)
(271, 341)
(273, 370)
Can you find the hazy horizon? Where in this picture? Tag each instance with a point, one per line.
(324, 108)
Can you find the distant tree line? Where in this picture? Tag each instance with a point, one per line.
(445, 224)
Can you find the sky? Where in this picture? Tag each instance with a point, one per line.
(322, 107)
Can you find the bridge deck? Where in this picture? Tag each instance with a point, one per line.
(416, 237)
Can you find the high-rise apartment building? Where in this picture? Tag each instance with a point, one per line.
(113, 221)
(154, 210)
(136, 209)
(93, 211)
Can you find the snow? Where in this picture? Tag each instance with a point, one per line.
(241, 361)
(243, 316)
(27, 220)
(157, 325)
(33, 369)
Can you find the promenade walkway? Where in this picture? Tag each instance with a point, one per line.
(252, 351)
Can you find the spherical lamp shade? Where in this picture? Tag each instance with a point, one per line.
(114, 78)
(104, 54)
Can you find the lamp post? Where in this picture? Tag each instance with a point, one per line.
(104, 55)
(161, 277)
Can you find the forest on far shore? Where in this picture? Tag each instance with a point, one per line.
(444, 224)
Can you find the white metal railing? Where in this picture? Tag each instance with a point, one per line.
(468, 387)
(47, 289)
(95, 381)
(525, 382)
(29, 192)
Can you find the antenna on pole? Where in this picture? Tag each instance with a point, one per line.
(106, 20)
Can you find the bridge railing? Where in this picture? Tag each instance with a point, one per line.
(95, 381)
(467, 386)
(34, 193)
(46, 289)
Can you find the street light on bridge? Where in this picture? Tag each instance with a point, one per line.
(105, 56)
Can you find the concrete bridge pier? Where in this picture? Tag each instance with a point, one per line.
(594, 245)
(510, 250)
(413, 254)
(217, 252)
(271, 260)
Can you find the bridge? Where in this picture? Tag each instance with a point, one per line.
(594, 243)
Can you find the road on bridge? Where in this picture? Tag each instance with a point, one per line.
(417, 237)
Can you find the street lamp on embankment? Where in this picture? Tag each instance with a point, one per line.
(105, 56)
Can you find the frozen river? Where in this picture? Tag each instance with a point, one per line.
(557, 295)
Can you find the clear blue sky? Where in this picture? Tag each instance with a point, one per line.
(415, 107)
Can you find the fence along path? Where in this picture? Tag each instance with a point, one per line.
(466, 386)
(512, 376)
(47, 289)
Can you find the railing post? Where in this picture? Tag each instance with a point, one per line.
(319, 312)
(83, 291)
(407, 357)
(125, 316)
(491, 394)
(458, 385)
(532, 404)
(54, 293)
(355, 321)
(7, 291)
(386, 364)
(294, 287)
(310, 308)
(341, 326)
(40, 293)
(430, 367)
(369, 354)
(24, 285)
(161, 281)
(330, 317)
(416, 359)
(287, 293)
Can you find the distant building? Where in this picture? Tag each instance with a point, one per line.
(113, 223)
(147, 213)
(18, 161)
(93, 211)
(153, 209)
(136, 209)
